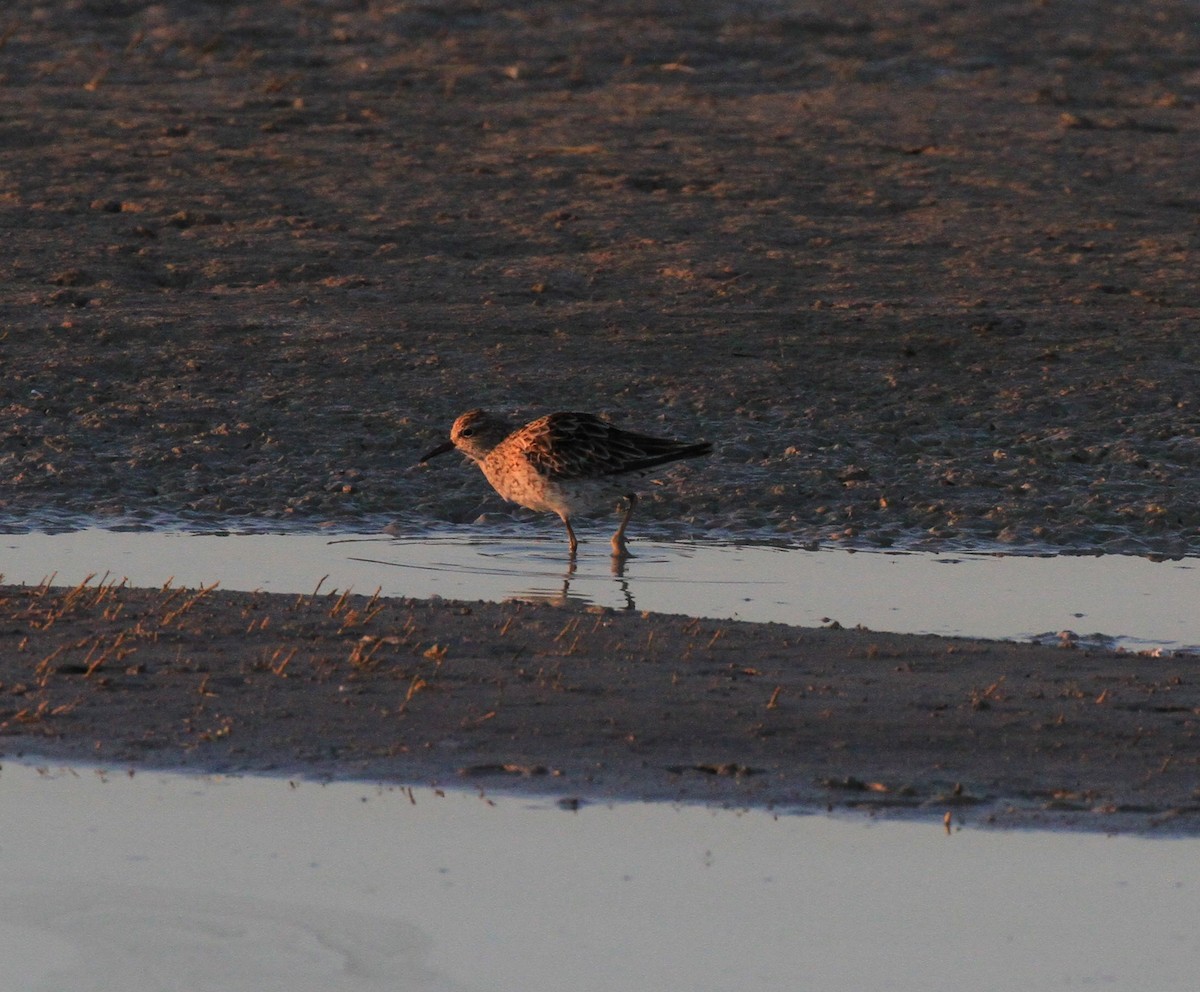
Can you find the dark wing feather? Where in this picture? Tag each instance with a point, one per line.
(578, 445)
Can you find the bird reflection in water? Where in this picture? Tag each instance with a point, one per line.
(563, 596)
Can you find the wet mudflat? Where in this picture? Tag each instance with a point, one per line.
(586, 702)
(920, 271)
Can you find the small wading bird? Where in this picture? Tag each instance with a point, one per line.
(566, 463)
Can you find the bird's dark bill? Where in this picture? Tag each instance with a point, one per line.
(441, 449)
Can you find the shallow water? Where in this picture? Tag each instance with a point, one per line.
(1122, 601)
(161, 881)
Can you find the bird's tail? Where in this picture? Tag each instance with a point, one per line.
(665, 457)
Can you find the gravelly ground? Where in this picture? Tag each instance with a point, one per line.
(921, 271)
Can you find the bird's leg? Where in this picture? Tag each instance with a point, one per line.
(620, 548)
(574, 543)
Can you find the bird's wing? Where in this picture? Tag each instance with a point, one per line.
(578, 445)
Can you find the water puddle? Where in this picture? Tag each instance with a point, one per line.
(1113, 600)
(157, 881)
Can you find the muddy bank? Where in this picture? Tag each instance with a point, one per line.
(596, 704)
(921, 273)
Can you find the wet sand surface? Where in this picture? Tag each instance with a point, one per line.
(922, 272)
(598, 704)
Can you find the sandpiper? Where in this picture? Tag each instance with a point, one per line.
(564, 462)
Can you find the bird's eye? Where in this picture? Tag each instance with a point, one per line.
(466, 432)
